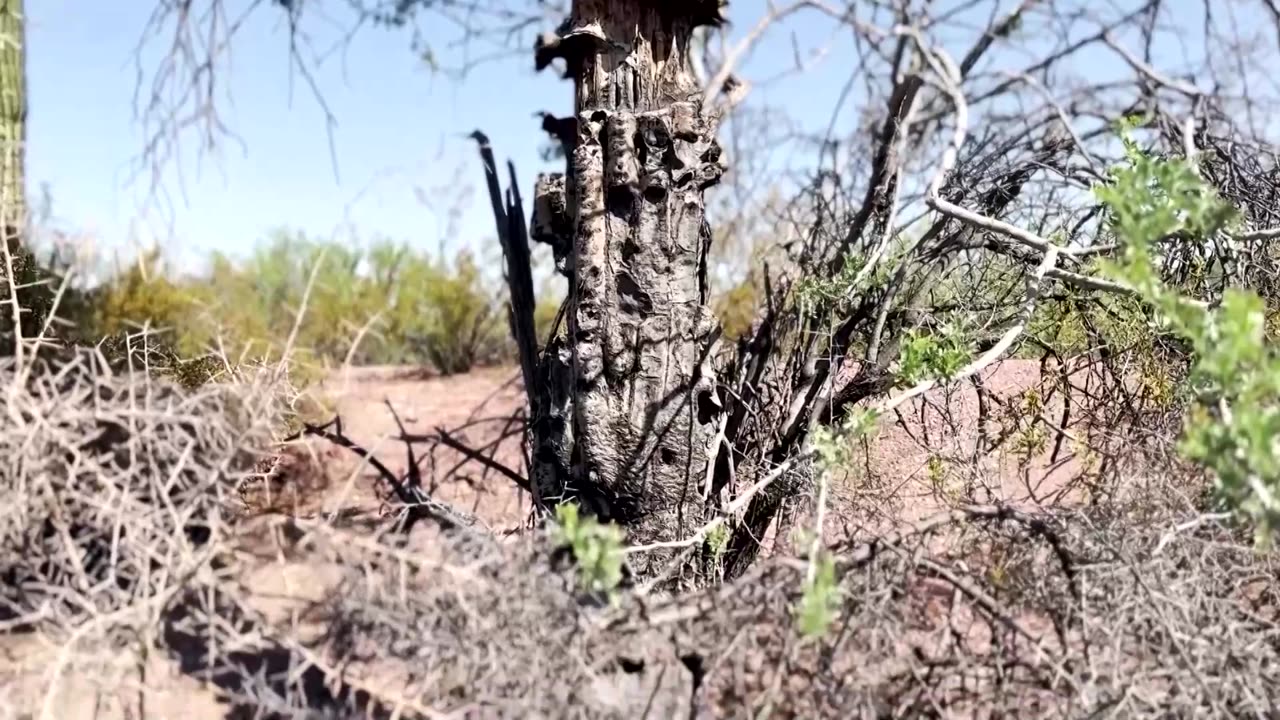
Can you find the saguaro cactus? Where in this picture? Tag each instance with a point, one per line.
(13, 196)
(13, 114)
(629, 403)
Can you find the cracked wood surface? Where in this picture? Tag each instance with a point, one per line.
(634, 444)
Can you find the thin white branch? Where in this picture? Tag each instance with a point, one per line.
(1034, 285)
(739, 503)
(1255, 235)
(739, 51)
(1058, 110)
(1151, 73)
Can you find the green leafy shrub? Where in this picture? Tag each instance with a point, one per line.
(385, 304)
(926, 355)
(736, 309)
(834, 446)
(323, 303)
(596, 547)
(461, 323)
(820, 600)
(1234, 422)
(827, 296)
(143, 294)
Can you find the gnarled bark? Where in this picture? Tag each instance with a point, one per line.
(631, 434)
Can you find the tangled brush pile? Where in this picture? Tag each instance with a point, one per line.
(118, 485)
(125, 547)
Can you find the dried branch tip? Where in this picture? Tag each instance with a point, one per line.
(568, 42)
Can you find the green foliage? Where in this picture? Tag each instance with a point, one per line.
(820, 600)
(597, 548)
(826, 294)
(459, 322)
(830, 296)
(384, 304)
(1030, 440)
(937, 469)
(1057, 325)
(718, 540)
(834, 447)
(1234, 423)
(1150, 199)
(927, 355)
(736, 309)
(142, 294)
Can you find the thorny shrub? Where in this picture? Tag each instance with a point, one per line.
(126, 534)
(1234, 421)
(117, 484)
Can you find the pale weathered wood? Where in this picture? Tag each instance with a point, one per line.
(629, 430)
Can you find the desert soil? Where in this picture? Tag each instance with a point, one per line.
(899, 482)
(920, 457)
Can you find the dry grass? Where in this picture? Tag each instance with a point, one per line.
(147, 577)
(1097, 613)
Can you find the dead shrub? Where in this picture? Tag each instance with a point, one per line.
(126, 539)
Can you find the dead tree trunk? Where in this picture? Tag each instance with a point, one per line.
(624, 415)
(626, 412)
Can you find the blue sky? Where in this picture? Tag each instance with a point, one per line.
(399, 133)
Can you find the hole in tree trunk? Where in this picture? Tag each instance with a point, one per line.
(697, 667)
(621, 202)
(630, 666)
(629, 250)
(631, 298)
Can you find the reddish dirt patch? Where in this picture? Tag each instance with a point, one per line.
(479, 409)
(922, 456)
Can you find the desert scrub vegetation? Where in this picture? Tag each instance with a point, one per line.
(121, 482)
(1234, 419)
(129, 557)
(385, 303)
(716, 448)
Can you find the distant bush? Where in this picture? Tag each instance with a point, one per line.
(384, 303)
(141, 293)
(461, 324)
(736, 308)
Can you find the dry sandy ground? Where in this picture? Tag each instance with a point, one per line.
(479, 409)
(921, 457)
(899, 482)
